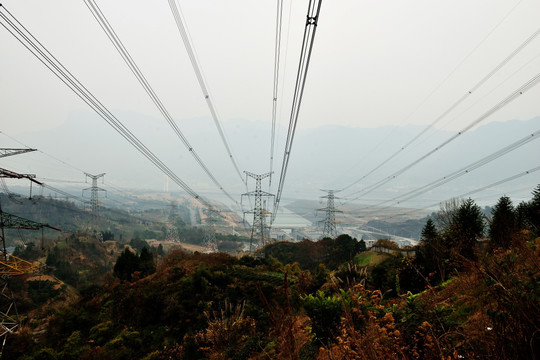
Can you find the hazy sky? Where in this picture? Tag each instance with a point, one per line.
(374, 63)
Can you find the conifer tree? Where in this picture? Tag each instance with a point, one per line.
(528, 213)
(432, 251)
(467, 226)
(534, 205)
(147, 265)
(126, 265)
(503, 223)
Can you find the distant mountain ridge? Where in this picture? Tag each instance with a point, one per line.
(328, 157)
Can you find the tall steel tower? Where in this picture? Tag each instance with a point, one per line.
(94, 203)
(259, 227)
(329, 229)
(210, 241)
(11, 265)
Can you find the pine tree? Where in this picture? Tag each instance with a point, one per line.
(534, 208)
(522, 215)
(467, 226)
(503, 223)
(528, 213)
(432, 253)
(147, 265)
(126, 265)
(429, 231)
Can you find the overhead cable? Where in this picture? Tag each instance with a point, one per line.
(468, 169)
(440, 84)
(497, 183)
(177, 13)
(84, 201)
(520, 91)
(453, 106)
(66, 194)
(283, 61)
(11, 196)
(111, 34)
(500, 182)
(63, 181)
(463, 171)
(15, 28)
(314, 8)
(44, 153)
(277, 55)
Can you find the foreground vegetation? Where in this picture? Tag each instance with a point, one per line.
(457, 298)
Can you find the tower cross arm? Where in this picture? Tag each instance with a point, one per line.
(5, 173)
(94, 176)
(257, 176)
(330, 209)
(10, 221)
(94, 188)
(5, 152)
(258, 192)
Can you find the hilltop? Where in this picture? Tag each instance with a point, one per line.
(219, 307)
(456, 294)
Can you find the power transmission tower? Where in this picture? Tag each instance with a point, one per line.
(171, 224)
(259, 228)
(94, 189)
(11, 265)
(210, 241)
(329, 229)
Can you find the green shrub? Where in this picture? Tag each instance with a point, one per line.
(325, 314)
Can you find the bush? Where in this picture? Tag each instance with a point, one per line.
(325, 313)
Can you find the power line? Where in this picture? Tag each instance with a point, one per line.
(470, 168)
(66, 194)
(47, 180)
(439, 85)
(453, 106)
(63, 181)
(44, 184)
(285, 62)
(520, 91)
(177, 13)
(500, 182)
(277, 55)
(57, 203)
(463, 171)
(314, 8)
(497, 183)
(44, 153)
(111, 34)
(55, 66)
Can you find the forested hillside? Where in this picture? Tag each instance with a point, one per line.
(472, 291)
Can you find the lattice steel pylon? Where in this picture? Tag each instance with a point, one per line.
(210, 241)
(12, 266)
(329, 229)
(9, 264)
(171, 224)
(259, 228)
(94, 189)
